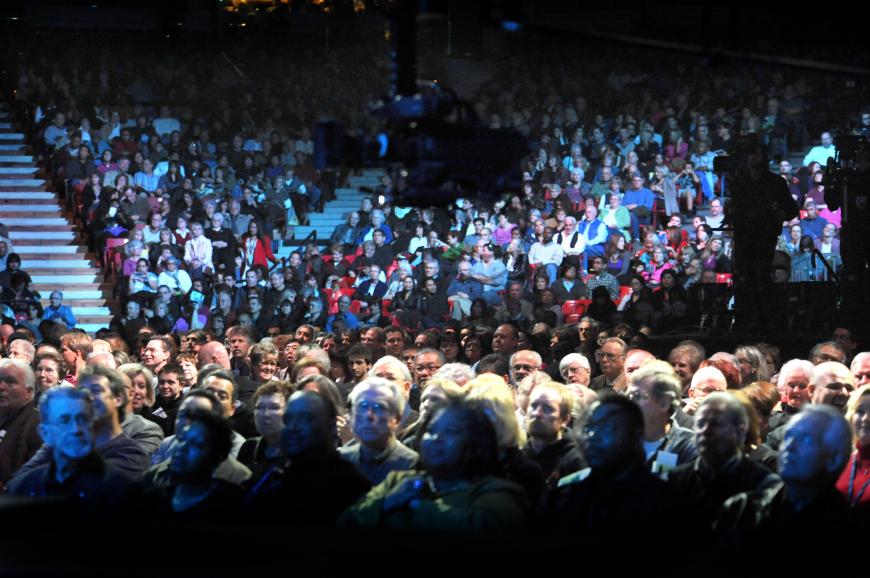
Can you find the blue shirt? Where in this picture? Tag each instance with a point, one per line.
(350, 321)
(472, 287)
(63, 312)
(813, 227)
(641, 197)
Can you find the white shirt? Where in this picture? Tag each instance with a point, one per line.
(572, 243)
(541, 254)
(820, 154)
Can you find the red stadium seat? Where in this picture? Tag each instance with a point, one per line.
(113, 257)
(582, 306)
(569, 306)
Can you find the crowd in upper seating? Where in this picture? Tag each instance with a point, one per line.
(201, 188)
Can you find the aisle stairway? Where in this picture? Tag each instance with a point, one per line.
(50, 249)
(334, 212)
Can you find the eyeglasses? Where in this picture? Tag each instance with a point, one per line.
(431, 368)
(837, 385)
(599, 355)
(637, 396)
(595, 429)
(378, 408)
(80, 420)
(524, 367)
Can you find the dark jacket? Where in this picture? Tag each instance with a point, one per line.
(600, 509)
(767, 516)
(703, 491)
(307, 491)
(125, 455)
(20, 440)
(558, 459)
(163, 413)
(97, 489)
(523, 470)
(679, 441)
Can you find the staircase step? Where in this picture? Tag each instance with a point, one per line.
(43, 237)
(11, 136)
(302, 232)
(349, 192)
(62, 262)
(18, 170)
(27, 196)
(364, 181)
(21, 182)
(331, 217)
(15, 204)
(50, 251)
(41, 228)
(77, 303)
(92, 328)
(34, 221)
(85, 274)
(66, 279)
(16, 159)
(12, 147)
(91, 311)
(10, 210)
(73, 295)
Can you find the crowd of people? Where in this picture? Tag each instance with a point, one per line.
(412, 435)
(466, 368)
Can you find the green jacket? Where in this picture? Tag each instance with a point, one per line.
(489, 504)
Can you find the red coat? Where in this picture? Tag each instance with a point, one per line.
(262, 251)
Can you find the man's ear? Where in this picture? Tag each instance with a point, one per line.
(406, 387)
(44, 433)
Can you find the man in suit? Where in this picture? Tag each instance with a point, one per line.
(372, 289)
(611, 359)
(237, 222)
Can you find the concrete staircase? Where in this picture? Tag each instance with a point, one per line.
(334, 212)
(49, 246)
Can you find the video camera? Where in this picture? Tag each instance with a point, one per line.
(744, 145)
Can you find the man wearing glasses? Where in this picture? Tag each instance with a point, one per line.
(377, 406)
(523, 364)
(611, 360)
(655, 388)
(831, 384)
(76, 472)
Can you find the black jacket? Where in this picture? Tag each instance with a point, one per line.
(558, 459)
(704, 491)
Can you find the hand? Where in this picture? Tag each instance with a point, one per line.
(405, 494)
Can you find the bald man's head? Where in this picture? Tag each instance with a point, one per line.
(213, 352)
(106, 359)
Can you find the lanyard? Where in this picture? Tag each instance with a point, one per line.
(857, 498)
